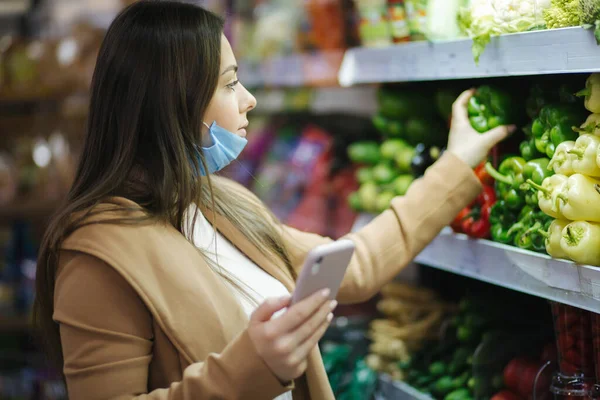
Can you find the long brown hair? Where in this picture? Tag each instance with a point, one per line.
(156, 73)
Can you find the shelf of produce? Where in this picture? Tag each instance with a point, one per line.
(567, 50)
(516, 269)
(319, 69)
(390, 389)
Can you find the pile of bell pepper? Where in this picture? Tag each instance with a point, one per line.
(474, 220)
(516, 218)
(572, 195)
(410, 115)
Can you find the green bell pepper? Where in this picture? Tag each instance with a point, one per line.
(509, 178)
(429, 131)
(528, 150)
(403, 104)
(554, 125)
(490, 107)
(535, 170)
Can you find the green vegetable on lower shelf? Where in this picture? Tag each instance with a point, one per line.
(509, 178)
(554, 125)
(459, 394)
(364, 152)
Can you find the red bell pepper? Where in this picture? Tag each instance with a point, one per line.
(476, 223)
(484, 177)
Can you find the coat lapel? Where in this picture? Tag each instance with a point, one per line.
(270, 265)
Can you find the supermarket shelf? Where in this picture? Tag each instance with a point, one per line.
(390, 389)
(360, 100)
(14, 324)
(31, 209)
(567, 50)
(14, 7)
(298, 70)
(516, 269)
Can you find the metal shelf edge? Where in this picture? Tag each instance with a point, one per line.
(510, 267)
(555, 51)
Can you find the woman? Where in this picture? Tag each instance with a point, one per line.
(158, 281)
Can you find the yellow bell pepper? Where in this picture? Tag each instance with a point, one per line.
(586, 155)
(547, 192)
(562, 161)
(581, 242)
(591, 125)
(553, 237)
(591, 93)
(579, 198)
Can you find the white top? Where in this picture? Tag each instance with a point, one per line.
(255, 281)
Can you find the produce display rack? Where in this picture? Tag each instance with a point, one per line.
(510, 267)
(556, 51)
(390, 389)
(14, 7)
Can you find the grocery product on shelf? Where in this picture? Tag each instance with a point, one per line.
(413, 316)
(374, 26)
(482, 19)
(398, 21)
(416, 11)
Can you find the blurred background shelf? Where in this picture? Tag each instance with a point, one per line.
(14, 324)
(390, 389)
(30, 209)
(567, 50)
(14, 7)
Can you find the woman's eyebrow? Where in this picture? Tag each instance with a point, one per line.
(233, 68)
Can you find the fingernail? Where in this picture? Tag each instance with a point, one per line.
(333, 304)
(329, 317)
(325, 292)
(512, 128)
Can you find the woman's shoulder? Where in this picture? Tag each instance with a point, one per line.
(116, 221)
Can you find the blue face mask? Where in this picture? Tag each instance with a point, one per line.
(226, 147)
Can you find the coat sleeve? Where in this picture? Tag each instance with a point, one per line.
(391, 241)
(107, 336)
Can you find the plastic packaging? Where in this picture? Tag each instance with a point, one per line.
(416, 10)
(374, 26)
(398, 21)
(573, 331)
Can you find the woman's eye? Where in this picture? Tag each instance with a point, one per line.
(232, 85)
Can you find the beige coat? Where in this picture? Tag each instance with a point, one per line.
(142, 316)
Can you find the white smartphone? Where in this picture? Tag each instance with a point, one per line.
(323, 268)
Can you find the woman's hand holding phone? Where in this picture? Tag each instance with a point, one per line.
(284, 342)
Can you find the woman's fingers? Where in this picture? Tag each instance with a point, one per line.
(308, 328)
(459, 108)
(300, 313)
(266, 310)
(498, 134)
(303, 349)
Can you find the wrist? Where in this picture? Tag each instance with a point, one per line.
(465, 157)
